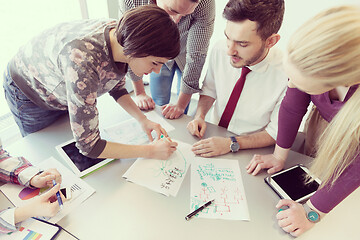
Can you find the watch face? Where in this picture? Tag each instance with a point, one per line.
(313, 216)
(234, 146)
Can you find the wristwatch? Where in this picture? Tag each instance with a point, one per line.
(234, 146)
(311, 214)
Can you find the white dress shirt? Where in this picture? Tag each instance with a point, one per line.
(259, 102)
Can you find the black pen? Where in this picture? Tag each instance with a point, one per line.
(190, 215)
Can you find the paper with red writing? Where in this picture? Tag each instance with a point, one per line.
(218, 179)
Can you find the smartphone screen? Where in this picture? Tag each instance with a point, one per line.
(66, 192)
(63, 191)
(293, 183)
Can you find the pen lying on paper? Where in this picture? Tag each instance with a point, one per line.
(190, 215)
(58, 196)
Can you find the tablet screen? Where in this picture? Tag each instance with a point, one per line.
(293, 183)
(80, 164)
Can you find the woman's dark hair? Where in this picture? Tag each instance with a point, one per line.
(268, 14)
(148, 31)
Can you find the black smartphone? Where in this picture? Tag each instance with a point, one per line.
(291, 184)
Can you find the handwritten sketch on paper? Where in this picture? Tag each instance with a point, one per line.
(163, 176)
(80, 190)
(130, 131)
(218, 179)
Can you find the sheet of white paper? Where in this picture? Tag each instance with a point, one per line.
(80, 190)
(130, 131)
(218, 179)
(163, 176)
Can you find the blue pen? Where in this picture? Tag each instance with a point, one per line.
(58, 196)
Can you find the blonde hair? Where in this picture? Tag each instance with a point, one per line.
(339, 145)
(327, 46)
(327, 49)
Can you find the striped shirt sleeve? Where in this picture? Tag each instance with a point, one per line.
(7, 221)
(15, 170)
(200, 31)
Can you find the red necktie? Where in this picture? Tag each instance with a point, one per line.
(234, 98)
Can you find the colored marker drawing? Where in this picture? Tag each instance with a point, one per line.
(164, 176)
(165, 168)
(216, 174)
(171, 170)
(220, 180)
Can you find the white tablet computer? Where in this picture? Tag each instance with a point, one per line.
(291, 183)
(79, 164)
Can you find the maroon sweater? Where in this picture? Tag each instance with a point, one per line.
(292, 110)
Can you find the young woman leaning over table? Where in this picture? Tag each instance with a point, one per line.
(323, 66)
(64, 70)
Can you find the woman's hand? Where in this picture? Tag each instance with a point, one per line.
(293, 220)
(45, 205)
(162, 148)
(149, 126)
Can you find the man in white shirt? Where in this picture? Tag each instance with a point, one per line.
(251, 32)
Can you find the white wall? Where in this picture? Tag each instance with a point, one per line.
(21, 20)
(296, 13)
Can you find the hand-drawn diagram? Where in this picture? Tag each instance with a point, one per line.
(171, 170)
(159, 175)
(220, 180)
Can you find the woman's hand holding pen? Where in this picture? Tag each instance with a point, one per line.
(44, 205)
(162, 148)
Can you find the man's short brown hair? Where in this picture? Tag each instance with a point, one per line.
(268, 14)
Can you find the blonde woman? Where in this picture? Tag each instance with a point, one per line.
(323, 66)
